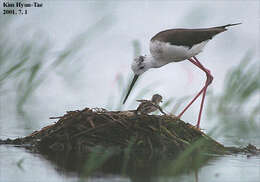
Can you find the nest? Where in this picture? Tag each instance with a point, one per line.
(147, 135)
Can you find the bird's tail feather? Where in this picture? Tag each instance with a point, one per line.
(228, 25)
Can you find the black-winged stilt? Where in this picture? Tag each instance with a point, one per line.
(175, 45)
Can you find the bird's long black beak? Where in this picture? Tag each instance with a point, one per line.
(130, 88)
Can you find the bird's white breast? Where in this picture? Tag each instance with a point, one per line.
(171, 53)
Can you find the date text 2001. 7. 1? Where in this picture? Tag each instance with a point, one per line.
(15, 12)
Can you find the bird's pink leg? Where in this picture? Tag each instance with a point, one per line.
(203, 90)
(208, 82)
(200, 92)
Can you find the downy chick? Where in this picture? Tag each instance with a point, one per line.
(148, 106)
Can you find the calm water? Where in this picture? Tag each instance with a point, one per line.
(17, 164)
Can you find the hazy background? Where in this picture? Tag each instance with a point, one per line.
(69, 55)
(77, 53)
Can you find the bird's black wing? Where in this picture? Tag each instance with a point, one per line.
(187, 37)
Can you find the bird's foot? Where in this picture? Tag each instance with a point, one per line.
(195, 128)
(174, 116)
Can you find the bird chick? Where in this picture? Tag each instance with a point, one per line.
(148, 106)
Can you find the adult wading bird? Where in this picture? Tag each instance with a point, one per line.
(175, 45)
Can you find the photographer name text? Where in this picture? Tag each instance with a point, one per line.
(19, 8)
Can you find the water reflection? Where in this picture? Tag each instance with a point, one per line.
(67, 167)
(136, 167)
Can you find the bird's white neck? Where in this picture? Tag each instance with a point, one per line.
(152, 62)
